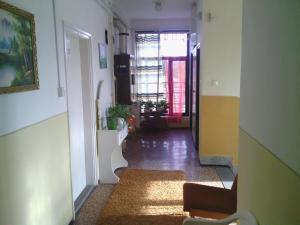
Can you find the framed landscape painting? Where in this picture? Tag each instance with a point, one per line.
(18, 60)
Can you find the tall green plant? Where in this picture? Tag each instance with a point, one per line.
(119, 111)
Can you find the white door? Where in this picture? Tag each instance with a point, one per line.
(75, 110)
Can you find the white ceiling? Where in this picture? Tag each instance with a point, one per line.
(145, 9)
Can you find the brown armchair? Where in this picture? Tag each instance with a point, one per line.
(211, 202)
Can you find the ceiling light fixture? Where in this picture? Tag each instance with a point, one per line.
(158, 5)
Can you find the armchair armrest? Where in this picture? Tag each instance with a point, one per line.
(197, 196)
(245, 218)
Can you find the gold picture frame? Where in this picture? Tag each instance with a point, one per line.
(18, 59)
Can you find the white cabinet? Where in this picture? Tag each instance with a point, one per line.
(110, 153)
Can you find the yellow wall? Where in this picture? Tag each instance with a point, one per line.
(219, 126)
(35, 185)
(267, 187)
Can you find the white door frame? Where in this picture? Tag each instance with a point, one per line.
(67, 28)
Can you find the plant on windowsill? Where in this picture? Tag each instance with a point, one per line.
(153, 114)
(162, 106)
(148, 106)
(117, 116)
(154, 109)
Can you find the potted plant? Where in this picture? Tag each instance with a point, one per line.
(117, 115)
(148, 106)
(162, 106)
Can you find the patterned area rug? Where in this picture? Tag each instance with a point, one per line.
(145, 197)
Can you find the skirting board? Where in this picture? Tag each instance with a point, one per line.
(218, 161)
(83, 197)
(215, 161)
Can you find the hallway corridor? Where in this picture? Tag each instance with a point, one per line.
(171, 149)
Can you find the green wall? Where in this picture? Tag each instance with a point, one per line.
(35, 185)
(267, 187)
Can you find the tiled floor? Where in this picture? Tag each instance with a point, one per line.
(167, 150)
(161, 149)
(158, 150)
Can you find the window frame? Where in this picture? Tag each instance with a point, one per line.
(187, 77)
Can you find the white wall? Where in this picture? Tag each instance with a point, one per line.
(270, 91)
(19, 110)
(196, 22)
(35, 169)
(22, 109)
(90, 17)
(221, 47)
(199, 20)
(36, 189)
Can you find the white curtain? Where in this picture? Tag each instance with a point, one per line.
(149, 78)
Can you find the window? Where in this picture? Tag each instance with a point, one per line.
(162, 69)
